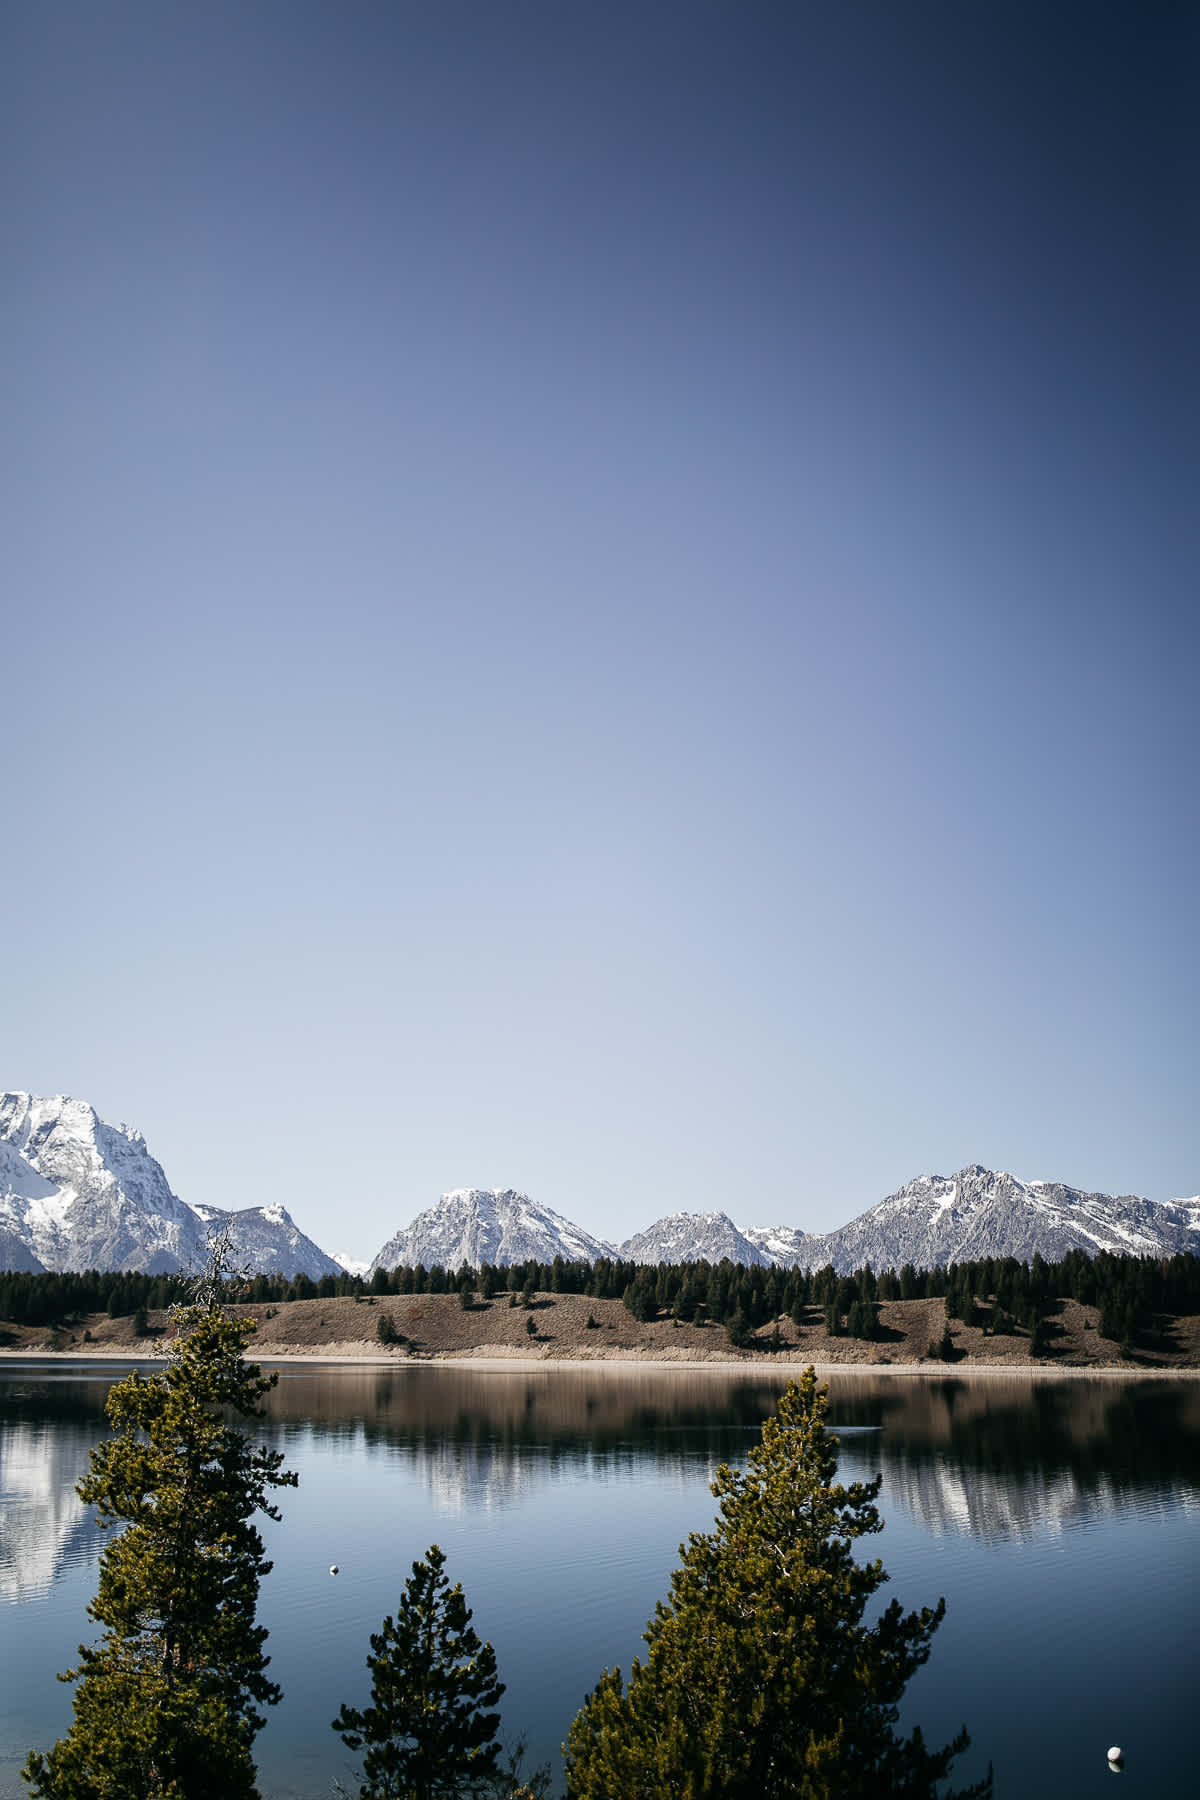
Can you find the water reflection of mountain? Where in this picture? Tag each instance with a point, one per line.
(44, 1526)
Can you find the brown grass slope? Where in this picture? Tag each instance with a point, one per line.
(436, 1326)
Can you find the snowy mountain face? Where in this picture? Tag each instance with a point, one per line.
(693, 1237)
(80, 1194)
(781, 1244)
(478, 1225)
(76, 1193)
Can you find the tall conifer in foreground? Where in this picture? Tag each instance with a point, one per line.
(166, 1706)
(762, 1681)
(428, 1731)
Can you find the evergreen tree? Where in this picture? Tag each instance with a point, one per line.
(861, 1322)
(166, 1706)
(428, 1731)
(737, 1330)
(762, 1681)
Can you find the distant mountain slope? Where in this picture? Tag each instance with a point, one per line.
(350, 1265)
(693, 1237)
(782, 1244)
(267, 1241)
(477, 1225)
(77, 1193)
(980, 1212)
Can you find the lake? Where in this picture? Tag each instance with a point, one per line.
(1059, 1517)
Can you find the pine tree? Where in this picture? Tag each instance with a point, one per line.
(427, 1732)
(166, 1706)
(762, 1682)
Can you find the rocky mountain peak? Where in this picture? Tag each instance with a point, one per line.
(494, 1225)
(692, 1237)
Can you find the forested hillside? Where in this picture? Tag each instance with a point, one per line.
(1081, 1310)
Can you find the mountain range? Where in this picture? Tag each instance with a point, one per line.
(77, 1193)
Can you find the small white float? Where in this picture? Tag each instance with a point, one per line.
(1116, 1757)
(333, 1569)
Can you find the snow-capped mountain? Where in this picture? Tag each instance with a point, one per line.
(77, 1193)
(267, 1240)
(80, 1194)
(981, 1212)
(693, 1237)
(478, 1225)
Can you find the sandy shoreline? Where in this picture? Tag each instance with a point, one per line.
(508, 1365)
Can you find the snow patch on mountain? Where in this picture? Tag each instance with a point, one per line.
(782, 1244)
(32, 1210)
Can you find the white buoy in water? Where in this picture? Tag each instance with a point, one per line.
(1116, 1755)
(333, 1569)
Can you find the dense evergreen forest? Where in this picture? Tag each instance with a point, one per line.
(999, 1294)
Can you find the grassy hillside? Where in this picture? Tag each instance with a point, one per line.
(436, 1325)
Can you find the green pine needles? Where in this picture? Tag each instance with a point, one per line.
(762, 1680)
(167, 1704)
(428, 1731)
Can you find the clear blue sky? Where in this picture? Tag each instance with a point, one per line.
(602, 598)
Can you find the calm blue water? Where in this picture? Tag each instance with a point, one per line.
(1059, 1519)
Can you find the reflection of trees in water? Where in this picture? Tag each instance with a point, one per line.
(1141, 1432)
(667, 1415)
(1003, 1457)
(54, 1399)
(987, 1454)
